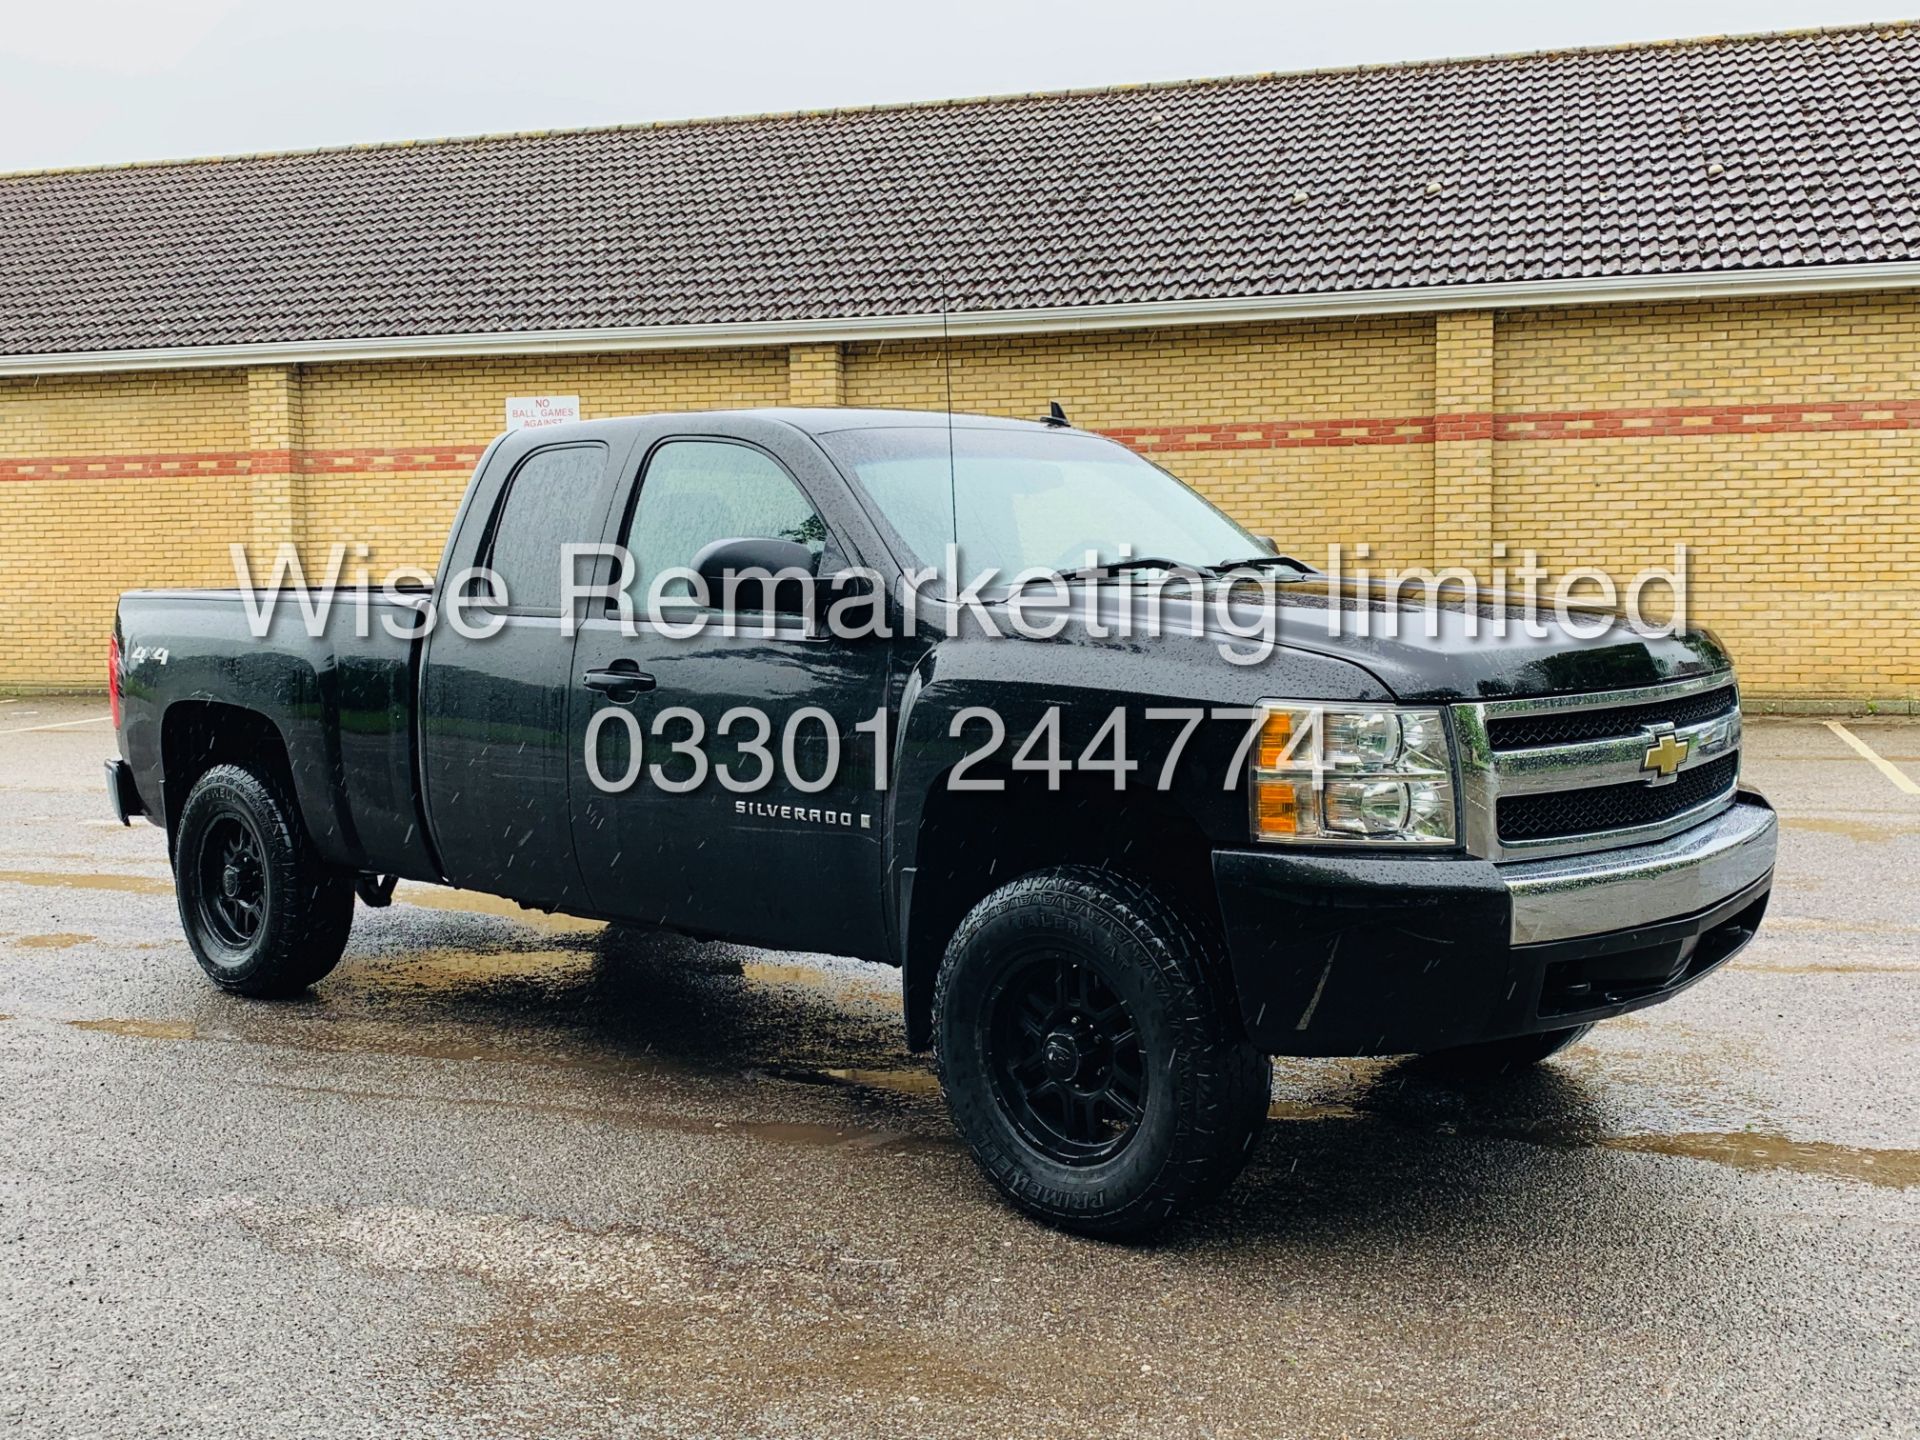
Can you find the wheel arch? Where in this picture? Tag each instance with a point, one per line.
(197, 735)
(969, 843)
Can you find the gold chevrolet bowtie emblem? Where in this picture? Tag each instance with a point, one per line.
(1666, 755)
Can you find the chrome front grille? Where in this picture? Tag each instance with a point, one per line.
(1564, 727)
(1568, 773)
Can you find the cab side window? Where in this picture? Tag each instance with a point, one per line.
(548, 504)
(697, 491)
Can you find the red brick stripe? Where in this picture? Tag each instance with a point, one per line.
(1796, 417)
(1278, 434)
(115, 467)
(392, 458)
(164, 465)
(1530, 425)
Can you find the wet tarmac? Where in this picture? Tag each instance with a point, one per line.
(509, 1174)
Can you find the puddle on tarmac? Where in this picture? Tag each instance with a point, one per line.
(906, 1082)
(1752, 968)
(439, 897)
(798, 1134)
(650, 1325)
(775, 973)
(1305, 1110)
(1822, 925)
(61, 940)
(1852, 829)
(1746, 1150)
(140, 1029)
(812, 977)
(1899, 1169)
(901, 1082)
(458, 969)
(130, 884)
(828, 1137)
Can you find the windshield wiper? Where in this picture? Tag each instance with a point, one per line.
(1120, 567)
(1253, 561)
(1160, 562)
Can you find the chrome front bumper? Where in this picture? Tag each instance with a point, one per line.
(1608, 890)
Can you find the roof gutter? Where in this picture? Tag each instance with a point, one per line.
(1048, 320)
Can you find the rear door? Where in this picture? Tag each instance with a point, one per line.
(755, 814)
(494, 708)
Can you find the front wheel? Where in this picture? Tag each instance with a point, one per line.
(1089, 1055)
(1501, 1057)
(264, 914)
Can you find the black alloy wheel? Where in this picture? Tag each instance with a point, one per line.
(264, 913)
(233, 881)
(1091, 1052)
(1067, 1067)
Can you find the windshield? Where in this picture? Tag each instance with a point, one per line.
(1032, 500)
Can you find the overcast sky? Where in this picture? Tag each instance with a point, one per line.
(103, 81)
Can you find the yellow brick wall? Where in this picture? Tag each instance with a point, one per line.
(1860, 347)
(1211, 377)
(1463, 346)
(1597, 436)
(73, 539)
(1805, 545)
(816, 375)
(360, 418)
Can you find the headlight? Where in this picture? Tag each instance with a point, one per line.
(1369, 775)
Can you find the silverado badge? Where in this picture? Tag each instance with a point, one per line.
(1665, 755)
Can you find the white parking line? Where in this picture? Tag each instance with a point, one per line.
(59, 725)
(1879, 762)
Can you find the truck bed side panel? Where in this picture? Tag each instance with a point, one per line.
(342, 702)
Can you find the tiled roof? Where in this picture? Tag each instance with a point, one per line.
(1681, 158)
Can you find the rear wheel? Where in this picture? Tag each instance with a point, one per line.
(1089, 1056)
(264, 914)
(1501, 1057)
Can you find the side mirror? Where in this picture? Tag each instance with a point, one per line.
(757, 575)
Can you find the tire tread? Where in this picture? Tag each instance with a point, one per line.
(306, 939)
(1230, 1080)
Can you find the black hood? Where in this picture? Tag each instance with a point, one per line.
(1421, 651)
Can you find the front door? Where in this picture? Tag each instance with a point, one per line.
(752, 812)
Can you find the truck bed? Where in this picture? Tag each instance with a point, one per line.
(342, 700)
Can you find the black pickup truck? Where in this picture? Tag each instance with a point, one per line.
(688, 671)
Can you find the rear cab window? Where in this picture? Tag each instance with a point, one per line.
(549, 503)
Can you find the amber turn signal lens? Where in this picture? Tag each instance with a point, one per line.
(1275, 734)
(1276, 808)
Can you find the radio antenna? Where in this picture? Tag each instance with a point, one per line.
(953, 483)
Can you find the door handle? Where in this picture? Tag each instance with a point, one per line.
(622, 677)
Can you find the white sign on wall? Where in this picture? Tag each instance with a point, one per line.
(531, 412)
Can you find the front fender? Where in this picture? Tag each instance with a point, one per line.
(1189, 768)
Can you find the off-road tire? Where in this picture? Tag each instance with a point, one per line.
(1494, 1058)
(238, 821)
(1205, 1088)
